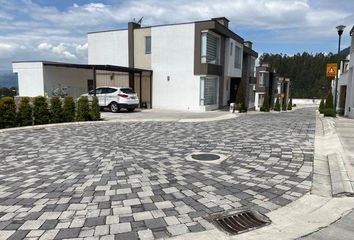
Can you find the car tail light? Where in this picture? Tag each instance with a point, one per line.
(122, 95)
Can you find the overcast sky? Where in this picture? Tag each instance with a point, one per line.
(56, 29)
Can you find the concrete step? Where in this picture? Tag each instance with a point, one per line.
(340, 182)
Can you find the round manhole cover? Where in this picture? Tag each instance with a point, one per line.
(205, 157)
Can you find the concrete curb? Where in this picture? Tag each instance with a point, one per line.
(301, 217)
(219, 118)
(340, 182)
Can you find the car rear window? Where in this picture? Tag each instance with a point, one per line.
(127, 90)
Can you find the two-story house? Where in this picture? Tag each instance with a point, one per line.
(196, 65)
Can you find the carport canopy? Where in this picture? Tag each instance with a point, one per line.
(95, 67)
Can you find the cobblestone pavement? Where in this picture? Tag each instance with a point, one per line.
(131, 180)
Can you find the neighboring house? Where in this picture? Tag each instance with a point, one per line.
(196, 65)
(267, 82)
(345, 103)
(189, 66)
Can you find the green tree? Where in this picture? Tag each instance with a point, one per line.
(277, 105)
(322, 106)
(265, 105)
(290, 104)
(329, 100)
(56, 110)
(7, 112)
(40, 110)
(69, 109)
(83, 109)
(95, 109)
(283, 107)
(24, 115)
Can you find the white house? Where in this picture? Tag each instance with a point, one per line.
(345, 102)
(188, 66)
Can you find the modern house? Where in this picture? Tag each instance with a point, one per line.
(345, 103)
(268, 83)
(196, 66)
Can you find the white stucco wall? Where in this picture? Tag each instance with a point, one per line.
(30, 78)
(172, 54)
(74, 79)
(109, 47)
(230, 69)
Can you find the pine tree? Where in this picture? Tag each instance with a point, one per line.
(277, 105)
(56, 110)
(265, 105)
(322, 106)
(95, 109)
(24, 115)
(290, 104)
(83, 109)
(7, 112)
(40, 110)
(69, 109)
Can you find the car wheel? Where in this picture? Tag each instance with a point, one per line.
(114, 107)
(131, 109)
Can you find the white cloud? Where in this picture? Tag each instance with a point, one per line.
(53, 34)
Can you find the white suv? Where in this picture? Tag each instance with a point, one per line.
(115, 98)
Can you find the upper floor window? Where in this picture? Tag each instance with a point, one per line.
(238, 53)
(261, 79)
(148, 44)
(231, 48)
(210, 48)
(252, 66)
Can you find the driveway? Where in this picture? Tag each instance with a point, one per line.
(132, 180)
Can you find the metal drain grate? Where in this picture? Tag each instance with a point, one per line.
(241, 221)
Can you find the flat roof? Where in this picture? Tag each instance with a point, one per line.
(90, 66)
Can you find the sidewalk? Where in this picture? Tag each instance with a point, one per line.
(325, 205)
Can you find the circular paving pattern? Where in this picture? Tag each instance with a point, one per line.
(133, 180)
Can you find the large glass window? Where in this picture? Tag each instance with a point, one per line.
(208, 91)
(261, 79)
(238, 52)
(148, 44)
(210, 48)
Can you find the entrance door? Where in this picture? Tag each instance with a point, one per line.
(342, 97)
(234, 85)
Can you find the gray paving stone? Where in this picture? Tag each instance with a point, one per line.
(53, 177)
(68, 233)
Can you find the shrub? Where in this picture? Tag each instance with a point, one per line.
(40, 110)
(290, 104)
(322, 106)
(243, 108)
(95, 109)
(83, 109)
(237, 106)
(24, 115)
(265, 105)
(69, 109)
(7, 112)
(283, 107)
(294, 105)
(329, 112)
(56, 110)
(277, 105)
(329, 100)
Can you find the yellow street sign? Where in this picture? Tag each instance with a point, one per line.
(331, 70)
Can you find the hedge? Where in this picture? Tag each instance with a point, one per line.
(56, 110)
(40, 110)
(83, 109)
(69, 109)
(7, 112)
(24, 115)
